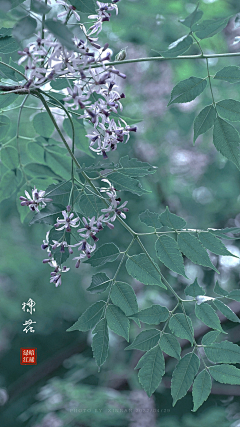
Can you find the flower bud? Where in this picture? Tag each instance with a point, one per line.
(121, 55)
(104, 154)
(111, 226)
(105, 46)
(77, 263)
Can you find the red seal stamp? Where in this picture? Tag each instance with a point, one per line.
(28, 356)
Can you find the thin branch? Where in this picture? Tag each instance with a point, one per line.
(14, 69)
(162, 58)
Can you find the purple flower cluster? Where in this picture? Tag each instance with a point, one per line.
(88, 74)
(46, 59)
(87, 234)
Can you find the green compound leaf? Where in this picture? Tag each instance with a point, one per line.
(214, 244)
(151, 219)
(226, 311)
(141, 362)
(229, 109)
(4, 32)
(170, 345)
(101, 167)
(81, 140)
(24, 28)
(58, 162)
(229, 74)
(187, 90)
(89, 318)
(235, 295)
(130, 120)
(152, 315)
(43, 125)
(210, 337)
(62, 33)
(100, 342)
(178, 47)
(183, 376)
(152, 370)
(40, 171)
(191, 19)
(190, 246)
(135, 168)
(218, 290)
(39, 7)
(194, 289)
(168, 253)
(226, 140)
(9, 183)
(59, 193)
(117, 321)
(15, 75)
(60, 83)
(48, 215)
(210, 27)
(204, 121)
(141, 268)
(105, 253)
(171, 220)
(145, 340)
(223, 235)
(223, 352)
(36, 151)
(7, 99)
(207, 315)
(84, 6)
(5, 124)
(182, 327)
(125, 183)
(201, 389)
(100, 283)
(11, 4)
(9, 157)
(91, 205)
(225, 374)
(56, 99)
(8, 45)
(124, 297)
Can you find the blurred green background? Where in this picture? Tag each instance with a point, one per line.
(196, 182)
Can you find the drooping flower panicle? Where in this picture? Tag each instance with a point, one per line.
(46, 59)
(87, 233)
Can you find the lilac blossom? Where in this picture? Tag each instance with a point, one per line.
(86, 249)
(37, 200)
(56, 275)
(69, 8)
(67, 222)
(62, 245)
(46, 59)
(87, 233)
(116, 211)
(102, 15)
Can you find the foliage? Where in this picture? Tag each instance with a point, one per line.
(78, 115)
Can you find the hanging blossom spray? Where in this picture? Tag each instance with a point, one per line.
(88, 82)
(46, 59)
